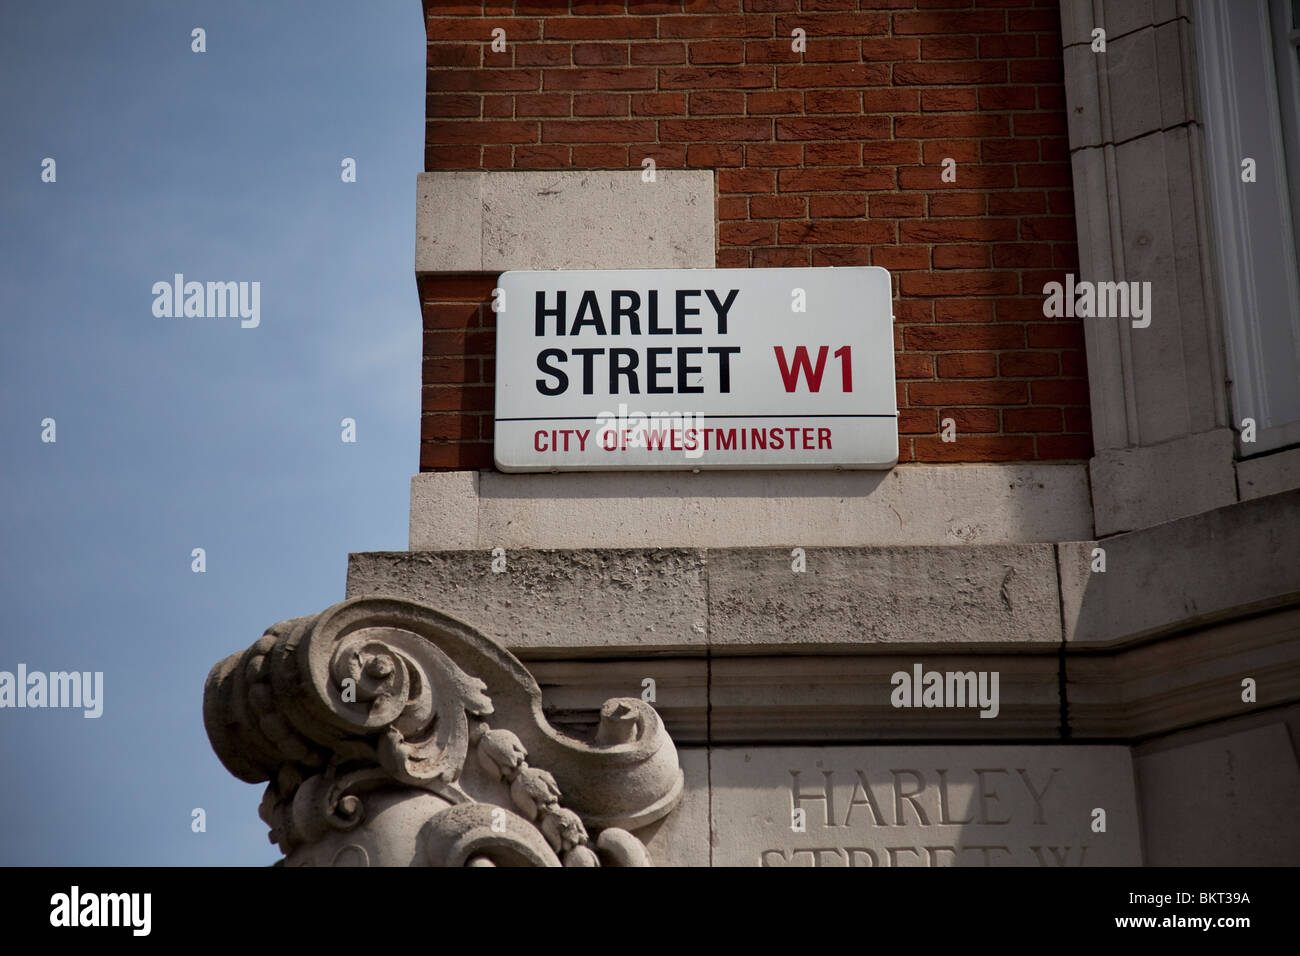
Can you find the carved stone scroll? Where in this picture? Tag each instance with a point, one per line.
(391, 734)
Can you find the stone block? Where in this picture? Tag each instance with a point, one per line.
(971, 596)
(1224, 801)
(924, 806)
(598, 602)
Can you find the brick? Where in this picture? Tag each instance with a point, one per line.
(1048, 227)
(450, 315)
(454, 54)
(716, 77)
(1016, 203)
(459, 456)
(773, 154)
(832, 154)
(775, 258)
(746, 233)
(837, 207)
(673, 155)
(836, 231)
(772, 51)
(717, 52)
(963, 310)
(518, 29)
(890, 101)
(452, 157)
(1021, 254)
(1009, 150)
(1031, 420)
(954, 230)
(832, 101)
(1009, 46)
(828, 50)
(832, 127)
(969, 176)
(968, 365)
(834, 180)
(957, 204)
(598, 104)
(746, 181)
(598, 28)
(1036, 71)
(948, 101)
(948, 338)
(603, 157)
(498, 107)
(839, 76)
(543, 54)
(658, 54)
(599, 54)
(975, 126)
(717, 102)
(1006, 98)
(733, 207)
(626, 78)
(835, 25)
(598, 131)
(917, 421)
(958, 283)
(840, 256)
(781, 101)
(450, 398)
(896, 258)
(891, 152)
(700, 155)
(452, 105)
(454, 427)
(897, 206)
(912, 311)
(457, 288)
(950, 23)
(1064, 447)
(694, 26)
(909, 365)
(971, 420)
(729, 130)
(975, 448)
(777, 207)
(970, 256)
(1059, 392)
(543, 104)
(658, 104)
(541, 157)
(894, 48)
(484, 81)
(948, 48)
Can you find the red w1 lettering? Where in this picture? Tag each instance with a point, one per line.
(802, 364)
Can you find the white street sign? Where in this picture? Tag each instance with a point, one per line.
(695, 368)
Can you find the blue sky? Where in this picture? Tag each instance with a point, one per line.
(177, 433)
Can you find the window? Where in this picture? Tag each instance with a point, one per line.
(1249, 64)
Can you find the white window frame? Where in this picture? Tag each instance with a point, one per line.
(1246, 84)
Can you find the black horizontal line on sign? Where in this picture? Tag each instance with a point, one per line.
(588, 418)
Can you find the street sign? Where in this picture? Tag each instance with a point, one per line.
(695, 369)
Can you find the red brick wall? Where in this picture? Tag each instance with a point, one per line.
(831, 157)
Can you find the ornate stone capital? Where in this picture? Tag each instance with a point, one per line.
(391, 734)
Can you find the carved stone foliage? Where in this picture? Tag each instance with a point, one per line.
(391, 734)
